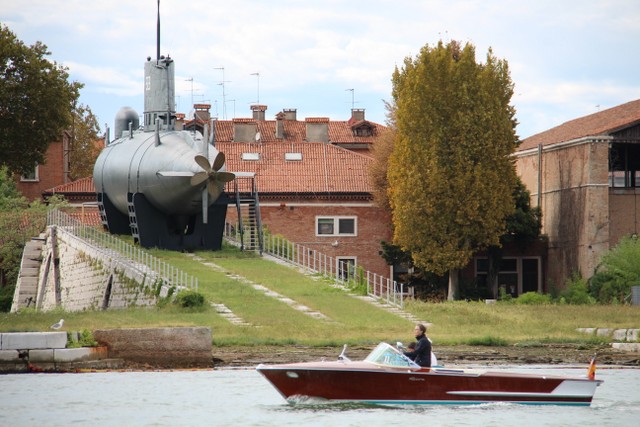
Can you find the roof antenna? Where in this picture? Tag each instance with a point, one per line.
(158, 35)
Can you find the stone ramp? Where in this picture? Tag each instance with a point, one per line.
(229, 315)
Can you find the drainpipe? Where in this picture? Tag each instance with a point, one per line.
(539, 175)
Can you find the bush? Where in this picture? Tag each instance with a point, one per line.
(85, 339)
(618, 271)
(190, 299)
(608, 288)
(577, 291)
(533, 298)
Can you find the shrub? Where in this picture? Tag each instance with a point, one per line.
(577, 291)
(618, 271)
(533, 298)
(190, 299)
(85, 339)
(358, 282)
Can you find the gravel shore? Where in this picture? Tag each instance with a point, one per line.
(554, 354)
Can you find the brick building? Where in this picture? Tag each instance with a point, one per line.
(53, 172)
(313, 181)
(585, 175)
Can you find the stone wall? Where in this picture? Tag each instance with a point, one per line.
(163, 347)
(78, 276)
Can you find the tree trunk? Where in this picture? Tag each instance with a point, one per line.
(454, 282)
(494, 254)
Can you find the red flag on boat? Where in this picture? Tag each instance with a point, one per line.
(591, 372)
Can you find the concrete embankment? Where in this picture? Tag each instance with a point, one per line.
(152, 347)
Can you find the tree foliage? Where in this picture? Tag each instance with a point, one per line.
(450, 174)
(381, 151)
(19, 221)
(36, 100)
(618, 271)
(525, 223)
(84, 138)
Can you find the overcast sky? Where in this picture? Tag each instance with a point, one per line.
(568, 58)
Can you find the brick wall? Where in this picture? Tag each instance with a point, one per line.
(575, 204)
(50, 174)
(296, 221)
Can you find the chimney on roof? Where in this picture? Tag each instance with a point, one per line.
(244, 130)
(202, 112)
(357, 114)
(280, 117)
(258, 111)
(179, 121)
(290, 114)
(317, 129)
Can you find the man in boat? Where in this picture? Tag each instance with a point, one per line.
(422, 352)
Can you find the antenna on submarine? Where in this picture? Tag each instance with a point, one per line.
(158, 35)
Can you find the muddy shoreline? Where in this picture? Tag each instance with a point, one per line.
(551, 354)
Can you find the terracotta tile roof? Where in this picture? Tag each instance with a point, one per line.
(82, 185)
(324, 168)
(87, 216)
(602, 123)
(340, 132)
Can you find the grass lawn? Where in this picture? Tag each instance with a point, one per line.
(348, 319)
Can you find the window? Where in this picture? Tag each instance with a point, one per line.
(293, 156)
(346, 267)
(32, 175)
(515, 275)
(363, 130)
(251, 156)
(624, 165)
(336, 226)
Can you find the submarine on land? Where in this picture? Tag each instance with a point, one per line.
(163, 186)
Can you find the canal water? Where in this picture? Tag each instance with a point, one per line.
(244, 398)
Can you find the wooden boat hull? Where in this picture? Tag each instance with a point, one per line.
(343, 381)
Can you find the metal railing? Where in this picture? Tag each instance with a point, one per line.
(342, 273)
(115, 248)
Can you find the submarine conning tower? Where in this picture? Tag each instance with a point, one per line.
(159, 94)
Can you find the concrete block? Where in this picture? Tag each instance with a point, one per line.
(41, 355)
(32, 340)
(620, 334)
(627, 346)
(9, 356)
(632, 335)
(603, 332)
(79, 354)
(590, 331)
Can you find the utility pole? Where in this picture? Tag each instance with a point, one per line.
(224, 100)
(190, 79)
(258, 76)
(353, 103)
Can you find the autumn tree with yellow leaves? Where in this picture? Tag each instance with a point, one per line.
(450, 174)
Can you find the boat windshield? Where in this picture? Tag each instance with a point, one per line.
(384, 354)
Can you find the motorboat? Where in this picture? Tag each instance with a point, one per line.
(387, 376)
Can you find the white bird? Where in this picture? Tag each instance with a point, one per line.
(58, 325)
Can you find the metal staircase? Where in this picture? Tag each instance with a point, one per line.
(248, 209)
(133, 219)
(103, 211)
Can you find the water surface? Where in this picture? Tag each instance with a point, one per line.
(244, 398)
